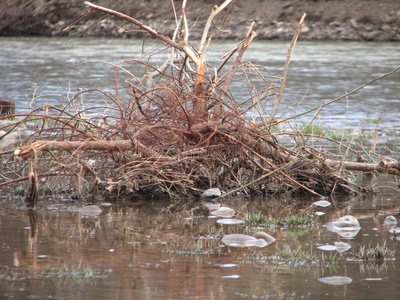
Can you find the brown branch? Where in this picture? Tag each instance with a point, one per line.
(216, 10)
(68, 28)
(137, 23)
(57, 119)
(146, 28)
(199, 105)
(28, 151)
(285, 71)
(251, 145)
(249, 37)
(381, 167)
(176, 97)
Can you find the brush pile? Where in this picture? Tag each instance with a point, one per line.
(178, 132)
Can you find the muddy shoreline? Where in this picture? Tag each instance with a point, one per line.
(326, 20)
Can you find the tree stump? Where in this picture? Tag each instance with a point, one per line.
(7, 107)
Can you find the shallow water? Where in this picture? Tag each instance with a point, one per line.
(159, 250)
(143, 251)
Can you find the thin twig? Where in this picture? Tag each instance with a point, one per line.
(281, 168)
(285, 71)
(341, 97)
(68, 28)
(215, 11)
(249, 37)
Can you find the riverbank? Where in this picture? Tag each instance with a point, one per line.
(326, 20)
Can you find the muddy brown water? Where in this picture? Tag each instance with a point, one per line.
(142, 250)
(161, 250)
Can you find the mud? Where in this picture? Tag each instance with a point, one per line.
(326, 20)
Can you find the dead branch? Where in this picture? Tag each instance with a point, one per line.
(216, 10)
(199, 103)
(381, 167)
(249, 37)
(68, 28)
(162, 139)
(170, 60)
(285, 71)
(28, 151)
(142, 26)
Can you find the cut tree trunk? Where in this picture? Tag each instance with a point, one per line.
(7, 107)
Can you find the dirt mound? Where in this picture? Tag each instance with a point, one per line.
(326, 20)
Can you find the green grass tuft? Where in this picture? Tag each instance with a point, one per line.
(74, 272)
(258, 219)
(331, 133)
(374, 254)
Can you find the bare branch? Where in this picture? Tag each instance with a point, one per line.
(150, 75)
(150, 30)
(185, 24)
(142, 26)
(28, 151)
(285, 71)
(249, 37)
(216, 10)
(384, 168)
(68, 28)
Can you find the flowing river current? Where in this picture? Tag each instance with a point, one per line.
(54, 68)
(162, 250)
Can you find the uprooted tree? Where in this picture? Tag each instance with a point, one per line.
(181, 131)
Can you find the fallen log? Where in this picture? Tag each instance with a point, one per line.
(392, 168)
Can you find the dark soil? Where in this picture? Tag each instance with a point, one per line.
(377, 20)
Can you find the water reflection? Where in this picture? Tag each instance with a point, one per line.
(336, 280)
(347, 226)
(146, 251)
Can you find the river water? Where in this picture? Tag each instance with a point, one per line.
(161, 250)
(153, 250)
(53, 69)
